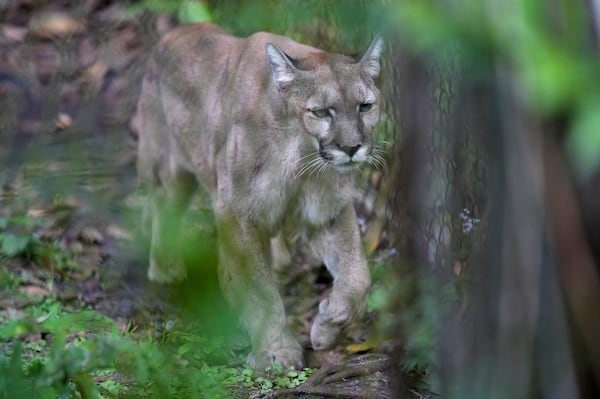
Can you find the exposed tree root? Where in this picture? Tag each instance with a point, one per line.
(319, 383)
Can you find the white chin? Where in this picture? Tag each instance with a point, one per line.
(346, 167)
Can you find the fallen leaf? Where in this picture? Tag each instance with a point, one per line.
(118, 233)
(362, 347)
(43, 318)
(14, 245)
(34, 290)
(36, 212)
(63, 121)
(93, 76)
(50, 24)
(91, 235)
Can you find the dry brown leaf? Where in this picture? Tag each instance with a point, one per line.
(36, 212)
(34, 290)
(91, 235)
(63, 121)
(118, 233)
(94, 76)
(50, 24)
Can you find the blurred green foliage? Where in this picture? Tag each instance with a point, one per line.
(187, 11)
(546, 45)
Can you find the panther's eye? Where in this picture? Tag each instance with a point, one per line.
(321, 112)
(365, 107)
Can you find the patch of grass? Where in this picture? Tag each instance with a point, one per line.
(83, 354)
(81, 347)
(282, 378)
(111, 387)
(50, 349)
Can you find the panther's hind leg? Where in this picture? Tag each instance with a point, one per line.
(168, 185)
(167, 205)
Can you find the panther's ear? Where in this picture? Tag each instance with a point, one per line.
(370, 59)
(284, 72)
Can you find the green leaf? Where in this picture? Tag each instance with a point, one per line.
(13, 245)
(16, 328)
(283, 382)
(378, 298)
(193, 11)
(247, 372)
(278, 368)
(185, 348)
(3, 222)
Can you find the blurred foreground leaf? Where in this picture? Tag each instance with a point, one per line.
(193, 11)
(13, 245)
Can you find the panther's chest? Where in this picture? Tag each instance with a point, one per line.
(281, 198)
(318, 202)
(316, 206)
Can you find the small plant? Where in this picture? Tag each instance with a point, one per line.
(282, 378)
(80, 347)
(111, 387)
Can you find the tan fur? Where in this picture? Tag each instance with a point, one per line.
(237, 117)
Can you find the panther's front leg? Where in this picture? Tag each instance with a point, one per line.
(340, 247)
(248, 284)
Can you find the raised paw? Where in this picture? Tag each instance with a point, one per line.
(335, 313)
(324, 333)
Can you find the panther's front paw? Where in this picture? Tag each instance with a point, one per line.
(166, 273)
(287, 357)
(324, 333)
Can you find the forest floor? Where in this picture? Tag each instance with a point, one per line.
(69, 236)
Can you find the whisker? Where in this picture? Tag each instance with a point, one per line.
(381, 161)
(309, 152)
(305, 157)
(303, 169)
(316, 167)
(325, 168)
(379, 149)
(313, 164)
(379, 152)
(300, 160)
(376, 160)
(321, 169)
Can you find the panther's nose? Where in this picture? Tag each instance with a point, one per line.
(349, 150)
